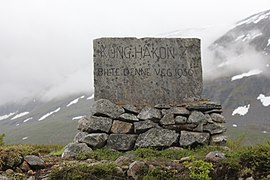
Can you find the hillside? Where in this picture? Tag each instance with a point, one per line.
(40, 122)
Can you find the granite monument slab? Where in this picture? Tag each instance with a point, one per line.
(147, 71)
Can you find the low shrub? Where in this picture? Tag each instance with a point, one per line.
(85, 171)
(199, 169)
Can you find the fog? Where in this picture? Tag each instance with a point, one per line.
(46, 46)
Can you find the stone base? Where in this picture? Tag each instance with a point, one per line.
(127, 127)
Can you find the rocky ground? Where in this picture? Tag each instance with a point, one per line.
(205, 162)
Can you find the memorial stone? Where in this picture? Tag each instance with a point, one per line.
(147, 71)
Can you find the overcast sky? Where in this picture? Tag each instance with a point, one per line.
(46, 45)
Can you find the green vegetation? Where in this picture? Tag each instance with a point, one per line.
(240, 162)
(11, 156)
(57, 152)
(100, 154)
(198, 169)
(2, 139)
(245, 162)
(85, 171)
(160, 173)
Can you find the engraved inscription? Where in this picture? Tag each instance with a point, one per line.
(147, 71)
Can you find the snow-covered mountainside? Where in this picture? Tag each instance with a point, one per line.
(253, 31)
(44, 122)
(243, 54)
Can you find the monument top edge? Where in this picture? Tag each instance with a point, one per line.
(143, 38)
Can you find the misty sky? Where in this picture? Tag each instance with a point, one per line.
(46, 45)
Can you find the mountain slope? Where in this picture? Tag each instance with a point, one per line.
(47, 122)
(242, 55)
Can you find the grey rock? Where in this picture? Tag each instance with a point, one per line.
(9, 171)
(218, 140)
(95, 124)
(25, 166)
(197, 117)
(35, 162)
(217, 118)
(199, 128)
(178, 111)
(72, 149)
(147, 71)
(3, 177)
(162, 106)
(157, 138)
(204, 106)
(136, 169)
(149, 113)
(167, 119)
(180, 127)
(209, 119)
(131, 109)
(219, 111)
(121, 142)
(123, 160)
(214, 128)
(180, 120)
(193, 138)
(129, 117)
(214, 156)
(95, 140)
(120, 127)
(104, 107)
(83, 124)
(79, 136)
(143, 126)
(163, 112)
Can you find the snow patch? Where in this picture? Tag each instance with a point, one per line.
(267, 65)
(75, 101)
(20, 115)
(90, 97)
(77, 117)
(264, 132)
(24, 138)
(268, 42)
(241, 110)
(28, 119)
(234, 125)
(17, 124)
(239, 37)
(6, 116)
(49, 114)
(254, 19)
(265, 100)
(250, 36)
(249, 73)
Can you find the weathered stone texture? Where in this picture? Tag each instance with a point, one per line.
(147, 71)
(95, 124)
(143, 126)
(157, 138)
(121, 142)
(120, 127)
(95, 140)
(149, 113)
(105, 107)
(193, 138)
